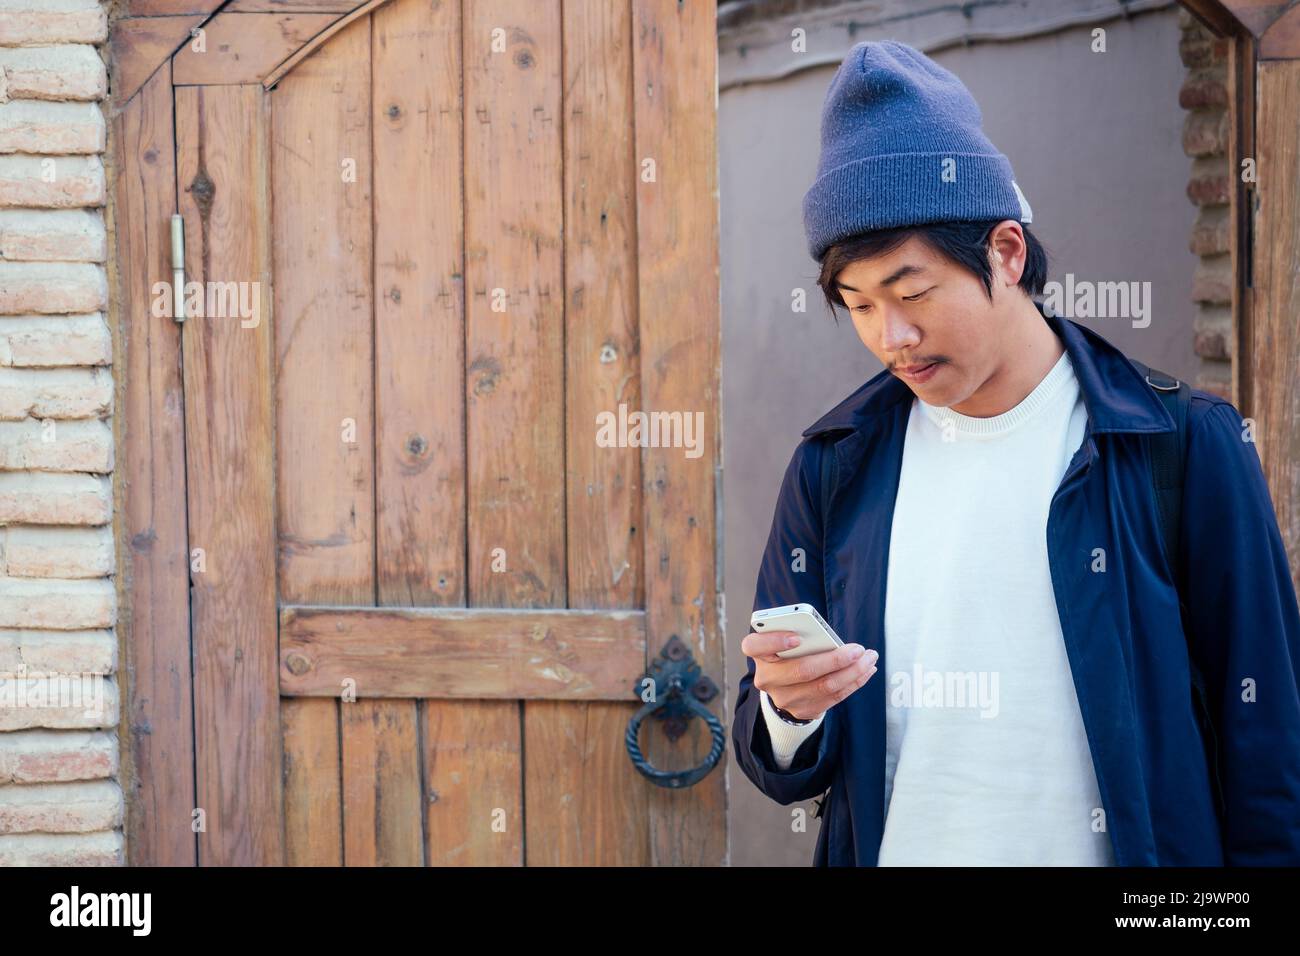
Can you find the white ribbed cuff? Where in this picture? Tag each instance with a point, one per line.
(786, 738)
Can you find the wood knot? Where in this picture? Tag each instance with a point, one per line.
(203, 189)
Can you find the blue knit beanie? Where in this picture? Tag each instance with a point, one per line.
(891, 119)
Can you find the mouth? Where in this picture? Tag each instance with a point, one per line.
(917, 373)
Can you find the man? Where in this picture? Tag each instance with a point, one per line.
(993, 543)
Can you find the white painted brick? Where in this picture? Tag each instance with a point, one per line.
(106, 848)
(57, 756)
(41, 341)
(55, 603)
(51, 498)
(58, 701)
(31, 22)
(51, 182)
(55, 393)
(40, 126)
(67, 652)
(56, 552)
(56, 445)
(80, 807)
(52, 235)
(48, 287)
(67, 72)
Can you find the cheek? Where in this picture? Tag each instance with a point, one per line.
(871, 339)
(863, 328)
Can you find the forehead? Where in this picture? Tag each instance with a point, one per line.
(865, 275)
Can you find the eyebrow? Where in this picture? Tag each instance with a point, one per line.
(889, 280)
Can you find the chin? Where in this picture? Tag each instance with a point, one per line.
(941, 397)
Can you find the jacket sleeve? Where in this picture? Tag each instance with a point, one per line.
(790, 573)
(1244, 632)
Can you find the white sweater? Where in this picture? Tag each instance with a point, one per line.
(987, 761)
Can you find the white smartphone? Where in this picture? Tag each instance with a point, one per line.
(815, 635)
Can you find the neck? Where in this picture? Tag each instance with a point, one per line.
(1029, 350)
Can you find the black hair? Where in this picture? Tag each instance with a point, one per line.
(963, 243)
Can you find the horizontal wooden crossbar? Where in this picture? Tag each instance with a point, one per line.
(461, 653)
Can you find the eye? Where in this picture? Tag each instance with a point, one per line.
(913, 298)
(861, 308)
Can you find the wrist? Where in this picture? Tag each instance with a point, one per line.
(786, 716)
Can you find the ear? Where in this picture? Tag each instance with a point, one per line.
(1008, 252)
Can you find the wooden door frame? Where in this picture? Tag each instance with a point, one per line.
(676, 238)
(153, 591)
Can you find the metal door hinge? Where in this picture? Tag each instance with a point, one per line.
(178, 268)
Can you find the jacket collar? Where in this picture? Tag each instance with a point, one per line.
(1115, 393)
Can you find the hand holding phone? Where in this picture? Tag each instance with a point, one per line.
(801, 662)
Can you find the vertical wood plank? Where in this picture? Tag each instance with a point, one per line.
(586, 804)
(381, 784)
(675, 97)
(1241, 144)
(321, 182)
(378, 739)
(222, 165)
(158, 733)
(419, 306)
(473, 762)
(420, 360)
(1276, 353)
(313, 798)
(514, 322)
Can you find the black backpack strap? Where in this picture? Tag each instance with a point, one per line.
(1169, 459)
(827, 460)
(1168, 464)
(827, 451)
(827, 471)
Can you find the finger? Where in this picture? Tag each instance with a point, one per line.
(815, 667)
(834, 686)
(861, 672)
(764, 645)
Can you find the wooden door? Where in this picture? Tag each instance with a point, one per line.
(437, 244)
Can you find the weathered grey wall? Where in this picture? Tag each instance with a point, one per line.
(1095, 143)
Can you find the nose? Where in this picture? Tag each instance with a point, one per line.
(896, 333)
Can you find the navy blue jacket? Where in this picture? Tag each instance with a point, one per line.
(1177, 789)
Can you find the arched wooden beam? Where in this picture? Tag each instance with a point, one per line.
(156, 30)
(311, 46)
(245, 47)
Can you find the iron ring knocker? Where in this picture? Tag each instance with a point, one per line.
(687, 690)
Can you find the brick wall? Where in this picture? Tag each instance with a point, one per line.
(1205, 138)
(60, 799)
